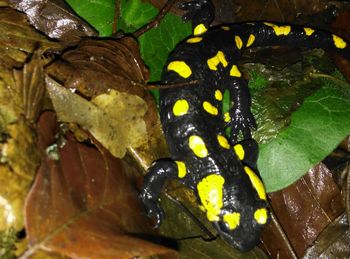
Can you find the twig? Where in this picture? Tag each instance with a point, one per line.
(283, 234)
(347, 189)
(175, 85)
(156, 21)
(190, 214)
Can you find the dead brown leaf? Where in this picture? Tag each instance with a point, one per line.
(85, 203)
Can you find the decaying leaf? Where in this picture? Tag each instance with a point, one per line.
(114, 119)
(85, 203)
(55, 19)
(20, 159)
(21, 94)
(19, 39)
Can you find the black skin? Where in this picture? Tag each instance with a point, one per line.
(239, 194)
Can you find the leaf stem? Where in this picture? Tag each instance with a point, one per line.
(116, 15)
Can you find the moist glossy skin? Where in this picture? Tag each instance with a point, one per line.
(220, 171)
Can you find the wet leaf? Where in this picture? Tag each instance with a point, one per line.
(333, 242)
(114, 119)
(55, 19)
(18, 39)
(85, 204)
(303, 209)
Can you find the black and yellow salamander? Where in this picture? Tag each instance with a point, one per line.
(221, 171)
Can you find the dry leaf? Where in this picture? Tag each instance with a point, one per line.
(114, 119)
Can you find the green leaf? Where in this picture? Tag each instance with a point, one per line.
(157, 44)
(257, 81)
(135, 14)
(98, 13)
(315, 130)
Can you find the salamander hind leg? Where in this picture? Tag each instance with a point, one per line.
(160, 171)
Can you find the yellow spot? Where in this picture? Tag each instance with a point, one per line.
(256, 182)
(218, 95)
(260, 216)
(180, 107)
(181, 169)
(339, 42)
(198, 147)
(232, 220)
(194, 40)
(239, 42)
(235, 72)
(225, 28)
(208, 107)
(199, 29)
(223, 142)
(309, 31)
(216, 60)
(227, 117)
(210, 194)
(239, 151)
(251, 40)
(279, 30)
(180, 67)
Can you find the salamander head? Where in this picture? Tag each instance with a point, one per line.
(242, 229)
(237, 207)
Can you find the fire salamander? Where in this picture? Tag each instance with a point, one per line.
(221, 171)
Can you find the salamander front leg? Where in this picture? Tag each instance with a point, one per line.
(160, 171)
